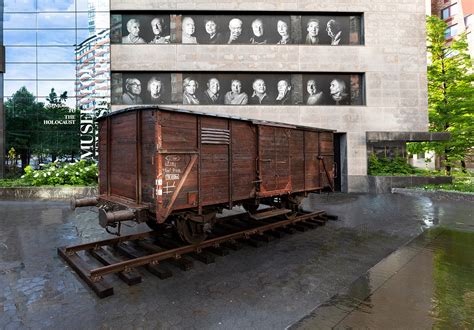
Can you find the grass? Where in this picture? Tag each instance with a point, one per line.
(460, 184)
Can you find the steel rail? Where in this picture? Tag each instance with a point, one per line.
(98, 273)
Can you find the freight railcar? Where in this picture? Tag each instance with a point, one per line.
(168, 166)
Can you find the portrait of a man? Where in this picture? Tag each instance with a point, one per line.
(187, 35)
(157, 26)
(259, 95)
(334, 30)
(133, 89)
(338, 91)
(235, 32)
(315, 95)
(257, 29)
(283, 88)
(211, 94)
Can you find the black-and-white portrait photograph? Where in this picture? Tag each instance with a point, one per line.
(327, 89)
(239, 29)
(141, 88)
(237, 88)
(325, 30)
(145, 29)
(319, 29)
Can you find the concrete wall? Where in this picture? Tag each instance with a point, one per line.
(393, 60)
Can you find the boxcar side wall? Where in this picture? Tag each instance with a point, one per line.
(173, 161)
(176, 162)
(244, 160)
(326, 170)
(103, 142)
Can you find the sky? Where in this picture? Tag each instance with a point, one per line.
(40, 38)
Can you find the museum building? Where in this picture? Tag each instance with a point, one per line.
(358, 67)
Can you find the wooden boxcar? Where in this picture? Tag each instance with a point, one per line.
(160, 165)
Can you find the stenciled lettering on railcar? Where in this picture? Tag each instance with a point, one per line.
(172, 173)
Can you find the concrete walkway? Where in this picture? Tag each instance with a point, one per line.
(272, 287)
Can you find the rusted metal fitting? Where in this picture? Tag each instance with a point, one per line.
(106, 218)
(81, 202)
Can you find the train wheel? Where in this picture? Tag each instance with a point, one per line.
(153, 225)
(191, 231)
(250, 207)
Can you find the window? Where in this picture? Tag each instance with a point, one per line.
(449, 11)
(468, 20)
(451, 31)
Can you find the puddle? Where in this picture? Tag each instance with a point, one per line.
(428, 283)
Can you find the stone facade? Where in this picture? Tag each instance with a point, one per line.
(393, 60)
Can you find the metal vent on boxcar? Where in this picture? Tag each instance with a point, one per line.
(215, 136)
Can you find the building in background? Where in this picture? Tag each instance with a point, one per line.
(379, 59)
(2, 114)
(93, 77)
(41, 38)
(92, 88)
(459, 15)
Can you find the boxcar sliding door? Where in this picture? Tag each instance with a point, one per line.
(273, 160)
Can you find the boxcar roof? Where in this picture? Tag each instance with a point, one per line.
(254, 121)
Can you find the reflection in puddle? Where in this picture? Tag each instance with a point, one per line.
(453, 273)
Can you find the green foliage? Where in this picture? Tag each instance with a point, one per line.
(80, 173)
(450, 94)
(28, 133)
(21, 123)
(461, 183)
(388, 166)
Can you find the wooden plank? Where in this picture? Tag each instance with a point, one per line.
(252, 242)
(131, 277)
(219, 251)
(158, 270)
(182, 263)
(102, 288)
(269, 214)
(232, 245)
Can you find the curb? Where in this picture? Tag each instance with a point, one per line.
(47, 193)
(436, 195)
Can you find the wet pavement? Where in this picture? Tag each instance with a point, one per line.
(316, 279)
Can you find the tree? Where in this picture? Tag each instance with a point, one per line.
(21, 123)
(60, 137)
(450, 94)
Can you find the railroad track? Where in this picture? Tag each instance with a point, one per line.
(153, 250)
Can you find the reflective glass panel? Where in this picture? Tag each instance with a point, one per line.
(44, 87)
(20, 71)
(56, 20)
(56, 5)
(19, 5)
(70, 101)
(19, 21)
(56, 37)
(11, 86)
(93, 20)
(56, 71)
(82, 34)
(56, 54)
(18, 37)
(98, 5)
(20, 54)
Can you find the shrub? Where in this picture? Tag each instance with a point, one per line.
(80, 173)
(389, 166)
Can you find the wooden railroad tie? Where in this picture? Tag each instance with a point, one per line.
(152, 251)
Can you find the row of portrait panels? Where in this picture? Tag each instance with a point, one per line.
(317, 29)
(132, 88)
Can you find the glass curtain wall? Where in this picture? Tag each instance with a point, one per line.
(47, 73)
